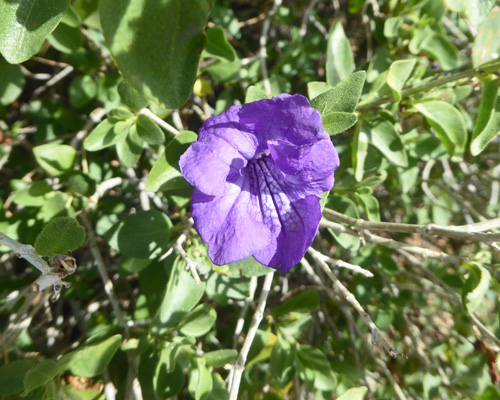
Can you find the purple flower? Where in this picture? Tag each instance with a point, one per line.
(258, 170)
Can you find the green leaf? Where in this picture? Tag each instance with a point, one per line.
(80, 183)
(486, 45)
(142, 235)
(160, 59)
(148, 130)
(488, 119)
(315, 368)
(370, 206)
(165, 174)
(474, 10)
(386, 138)
(181, 296)
(305, 302)
(399, 72)
(59, 236)
(358, 393)
(219, 358)
(356, 5)
(198, 322)
(254, 94)
(439, 48)
(33, 195)
(282, 356)
(314, 89)
(12, 82)
(66, 38)
(338, 122)
(106, 134)
(43, 372)
(218, 45)
(119, 114)
(448, 124)
(475, 287)
(131, 97)
(55, 159)
(130, 150)
(221, 288)
(343, 97)
(339, 57)
(24, 25)
(248, 267)
(12, 376)
(204, 384)
(82, 90)
(92, 360)
(392, 27)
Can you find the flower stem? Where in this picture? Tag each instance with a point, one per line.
(487, 69)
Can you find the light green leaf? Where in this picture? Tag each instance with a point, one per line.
(475, 287)
(204, 385)
(474, 10)
(142, 235)
(392, 27)
(399, 72)
(314, 89)
(165, 174)
(370, 206)
(106, 134)
(440, 49)
(55, 159)
(282, 356)
(338, 122)
(343, 97)
(487, 42)
(358, 393)
(59, 236)
(24, 25)
(119, 114)
(33, 195)
(219, 358)
(386, 138)
(161, 58)
(315, 368)
(488, 119)
(91, 360)
(198, 322)
(66, 38)
(339, 57)
(130, 150)
(12, 82)
(254, 94)
(448, 124)
(218, 45)
(181, 296)
(43, 372)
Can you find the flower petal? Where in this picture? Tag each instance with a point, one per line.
(308, 169)
(209, 163)
(293, 223)
(231, 224)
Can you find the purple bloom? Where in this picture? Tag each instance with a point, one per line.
(258, 170)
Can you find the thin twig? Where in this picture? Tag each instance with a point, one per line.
(239, 366)
(342, 264)
(159, 121)
(51, 82)
(27, 252)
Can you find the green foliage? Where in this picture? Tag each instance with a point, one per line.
(25, 24)
(160, 59)
(88, 127)
(59, 236)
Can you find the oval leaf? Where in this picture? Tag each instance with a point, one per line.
(59, 236)
(488, 120)
(24, 25)
(399, 72)
(339, 57)
(160, 58)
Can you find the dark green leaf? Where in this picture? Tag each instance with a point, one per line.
(165, 174)
(106, 134)
(66, 38)
(131, 97)
(24, 25)
(218, 45)
(59, 236)
(142, 235)
(304, 302)
(12, 376)
(82, 90)
(119, 114)
(43, 372)
(148, 130)
(130, 150)
(282, 356)
(160, 59)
